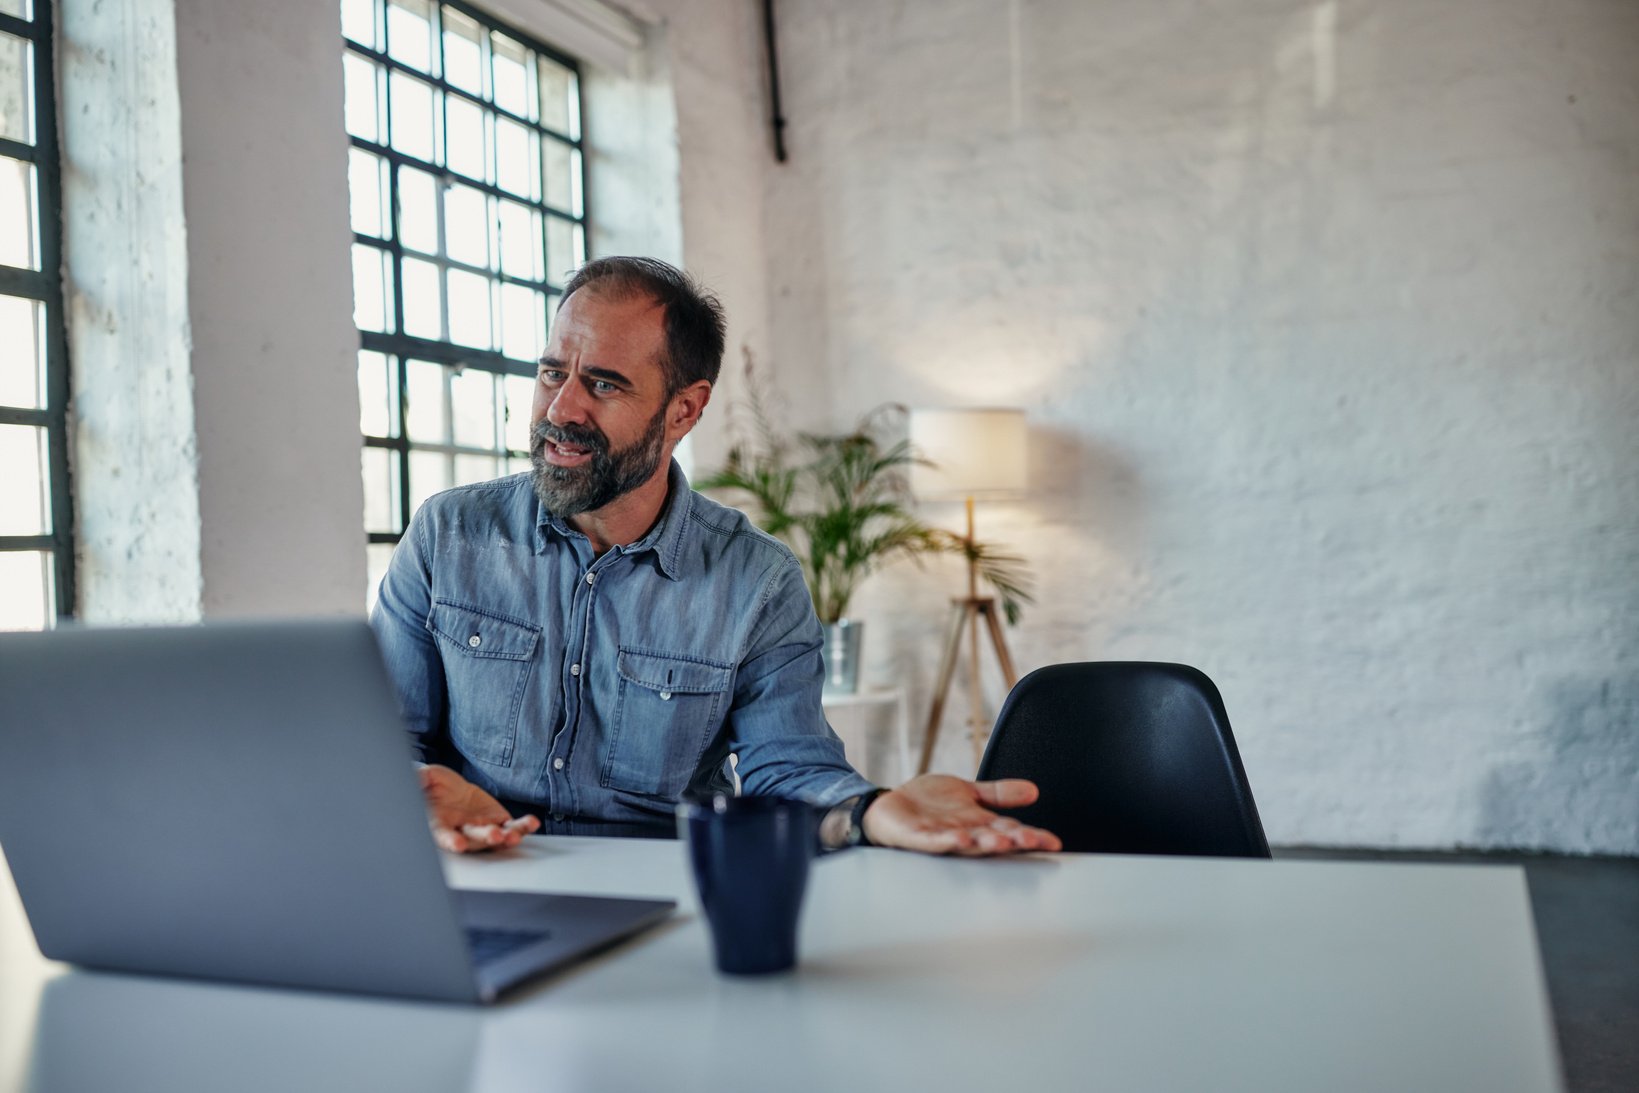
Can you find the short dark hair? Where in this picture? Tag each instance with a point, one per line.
(695, 324)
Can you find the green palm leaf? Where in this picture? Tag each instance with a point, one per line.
(841, 504)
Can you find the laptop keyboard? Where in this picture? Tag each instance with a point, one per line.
(491, 945)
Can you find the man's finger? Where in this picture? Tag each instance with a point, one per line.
(991, 841)
(1007, 793)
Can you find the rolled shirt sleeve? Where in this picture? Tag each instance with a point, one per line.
(776, 724)
(409, 649)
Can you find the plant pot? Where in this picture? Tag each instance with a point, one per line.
(841, 655)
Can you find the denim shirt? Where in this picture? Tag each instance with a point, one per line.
(595, 691)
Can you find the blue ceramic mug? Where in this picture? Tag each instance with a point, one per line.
(750, 860)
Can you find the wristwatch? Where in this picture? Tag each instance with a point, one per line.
(853, 811)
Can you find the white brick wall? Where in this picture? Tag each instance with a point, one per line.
(1326, 316)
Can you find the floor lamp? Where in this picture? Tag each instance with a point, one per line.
(970, 454)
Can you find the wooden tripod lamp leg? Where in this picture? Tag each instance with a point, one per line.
(998, 638)
(1004, 659)
(947, 668)
(976, 695)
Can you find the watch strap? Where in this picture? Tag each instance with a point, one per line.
(856, 818)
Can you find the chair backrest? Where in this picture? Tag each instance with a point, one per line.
(1131, 758)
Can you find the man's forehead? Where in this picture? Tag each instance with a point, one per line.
(629, 326)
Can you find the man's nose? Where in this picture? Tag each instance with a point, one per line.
(568, 406)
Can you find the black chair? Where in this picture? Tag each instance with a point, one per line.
(1131, 758)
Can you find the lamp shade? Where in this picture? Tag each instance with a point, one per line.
(976, 453)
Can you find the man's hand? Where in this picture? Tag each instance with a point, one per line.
(940, 814)
(464, 818)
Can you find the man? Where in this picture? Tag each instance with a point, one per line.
(583, 644)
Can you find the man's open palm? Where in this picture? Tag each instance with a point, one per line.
(942, 814)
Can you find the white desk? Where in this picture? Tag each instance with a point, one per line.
(1044, 974)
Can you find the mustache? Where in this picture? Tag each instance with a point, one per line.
(589, 437)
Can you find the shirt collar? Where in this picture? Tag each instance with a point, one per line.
(665, 538)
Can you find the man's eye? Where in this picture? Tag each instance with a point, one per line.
(550, 375)
(604, 387)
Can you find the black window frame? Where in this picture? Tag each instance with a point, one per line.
(45, 285)
(402, 348)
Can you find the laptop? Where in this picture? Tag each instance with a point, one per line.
(237, 801)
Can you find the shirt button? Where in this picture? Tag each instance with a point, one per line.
(557, 764)
(475, 641)
(557, 817)
(574, 669)
(665, 696)
(591, 578)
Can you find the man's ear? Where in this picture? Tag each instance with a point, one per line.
(685, 408)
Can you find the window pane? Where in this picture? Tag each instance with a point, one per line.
(466, 225)
(24, 507)
(381, 490)
(358, 22)
(521, 241)
(409, 33)
(19, 8)
(520, 394)
(22, 352)
(523, 322)
(551, 309)
(16, 90)
(418, 210)
(363, 98)
(565, 248)
(377, 557)
(560, 99)
(423, 306)
(372, 288)
(428, 415)
(465, 129)
(26, 592)
(473, 408)
(515, 159)
(377, 379)
(412, 116)
(476, 468)
(429, 473)
(19, 240)
(470, 310)
(562, 166)
(367, 189)
(512, 90)
(463, 56)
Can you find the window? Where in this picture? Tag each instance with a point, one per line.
(36, 514)
(467, 188)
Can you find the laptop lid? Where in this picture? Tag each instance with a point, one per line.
(228, 801)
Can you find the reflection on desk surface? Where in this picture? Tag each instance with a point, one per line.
(136, 1035)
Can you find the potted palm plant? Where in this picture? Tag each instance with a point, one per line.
(841, 503)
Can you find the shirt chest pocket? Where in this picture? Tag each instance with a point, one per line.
(487, 660)
(667, 710)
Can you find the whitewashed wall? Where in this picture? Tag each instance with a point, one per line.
(715, 56)
(1326, 316)
(206, 240)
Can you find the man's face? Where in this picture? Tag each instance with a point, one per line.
(598, 427)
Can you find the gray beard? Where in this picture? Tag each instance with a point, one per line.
(570, 491)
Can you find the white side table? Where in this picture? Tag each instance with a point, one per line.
(858, 719)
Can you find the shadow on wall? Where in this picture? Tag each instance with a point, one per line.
(1097, 485)
(1583, 795)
